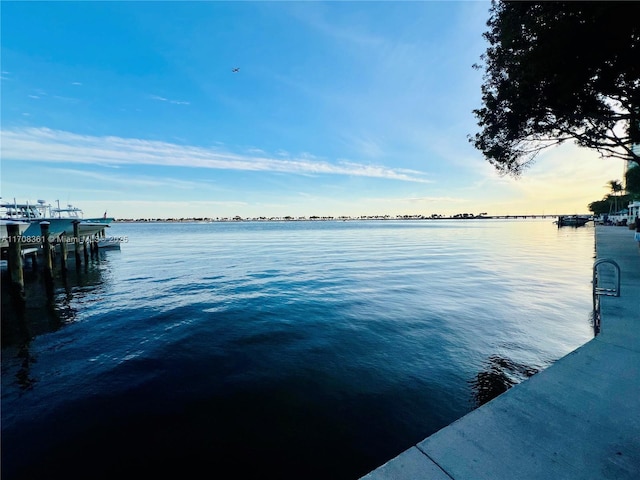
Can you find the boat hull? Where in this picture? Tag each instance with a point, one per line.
(4, 234)
(90, 228)
(57, 226)
(573, 221)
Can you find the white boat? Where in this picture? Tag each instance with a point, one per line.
(87, 226)
(61, 220)
(109, 242)
(4, 234)
(34, 214)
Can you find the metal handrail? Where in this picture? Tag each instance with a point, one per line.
(599, 291)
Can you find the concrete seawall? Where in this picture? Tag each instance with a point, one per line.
(578, 419)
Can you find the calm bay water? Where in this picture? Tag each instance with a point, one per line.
(292, 349)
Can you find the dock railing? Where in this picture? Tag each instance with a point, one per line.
(605, 282)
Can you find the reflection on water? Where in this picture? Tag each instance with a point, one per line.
(318, 350)
(48, 307)
(498, 376)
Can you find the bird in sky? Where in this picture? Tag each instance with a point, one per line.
(235, 69)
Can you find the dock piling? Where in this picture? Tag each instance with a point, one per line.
(94, 246)
(46, 251)
(85, 248)
(76, 242)
(14, 262)
(63, 253)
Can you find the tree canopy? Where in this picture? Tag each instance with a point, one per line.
(632, 181)
(611, 201)
(558, 71)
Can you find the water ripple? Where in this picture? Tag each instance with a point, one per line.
(307, 337)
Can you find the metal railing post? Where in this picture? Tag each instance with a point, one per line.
(599, 290)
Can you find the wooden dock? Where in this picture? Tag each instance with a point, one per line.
(578, 419)
(51, 255)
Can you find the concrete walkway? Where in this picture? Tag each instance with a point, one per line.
(578, 419)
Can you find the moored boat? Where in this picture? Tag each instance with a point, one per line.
(34, 214)
(109, 242)
(87, 226)
(4, 233)
(573, 220)
(61, 221)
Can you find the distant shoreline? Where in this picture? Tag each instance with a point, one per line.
(334, 219)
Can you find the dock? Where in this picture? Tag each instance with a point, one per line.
(50, 252)
(577, 419)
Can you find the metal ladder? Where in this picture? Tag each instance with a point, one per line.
(598, 290)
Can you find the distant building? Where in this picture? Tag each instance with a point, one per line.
(634, 211)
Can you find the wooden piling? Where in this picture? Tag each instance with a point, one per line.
(94, 247)
(76, 241)
(85, 247)
(14, 262)
(63, 253)
(46, 250)
(34, 261)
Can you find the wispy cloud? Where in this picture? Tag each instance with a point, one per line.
(162, 99)
(364, 144)
(44, 144)
(66, 99)
(130, 181)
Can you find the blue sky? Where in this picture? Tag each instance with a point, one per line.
(338, 108)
